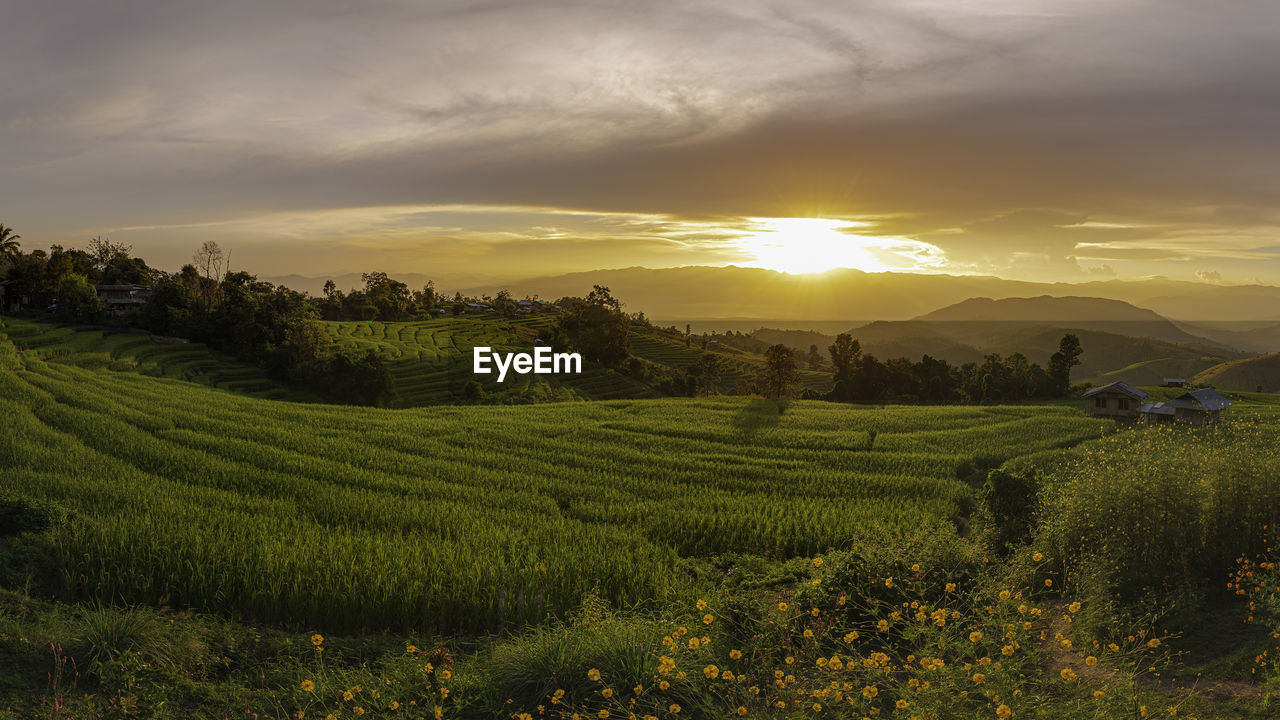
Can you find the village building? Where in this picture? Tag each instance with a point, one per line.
(122, 298)
(1198, 407)
(1115, 400)
(1174, 382)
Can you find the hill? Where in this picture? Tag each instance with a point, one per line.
(1255, 374)
(1106, 354)
(452, 518)
(141, 353)
(1261, 337)
(430, 361)
(1043, 309)
(699, 293)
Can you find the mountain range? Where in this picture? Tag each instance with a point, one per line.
(1139, 331)
(698, 293)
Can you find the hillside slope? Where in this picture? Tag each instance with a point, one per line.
(452, 517)
(137, 352)
(1106, 354)
(431, 361)
(1255, 374)
(1091, 313)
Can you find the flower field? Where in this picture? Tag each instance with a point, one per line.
(464, 518)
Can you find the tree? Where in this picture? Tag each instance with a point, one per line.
(780, 378)
(106, 253)
(705, 373)
(598, 327)
(390, 297)
(208, 260)
(1061, 362)
(77, 300)
(504, 304)
(424, 300)
(815, 358)
(472, 391)
(846, 354)
(10, 249)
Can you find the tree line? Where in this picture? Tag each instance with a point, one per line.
(859, 377)
(278, 329)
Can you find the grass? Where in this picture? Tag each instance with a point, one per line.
(465, 517)
(137, 352)
(195, 540)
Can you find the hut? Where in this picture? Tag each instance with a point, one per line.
(1197, 407)
(1116, 400)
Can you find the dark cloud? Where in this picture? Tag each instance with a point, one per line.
(1005, 132)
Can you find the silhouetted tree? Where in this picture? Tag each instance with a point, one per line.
(815, 358)
(10, 248)
(106, 253)
(780, 378)
(597, 327)
(846, 353)
(1061, 362)
(706, 373)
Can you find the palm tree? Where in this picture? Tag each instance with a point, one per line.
(8, 243)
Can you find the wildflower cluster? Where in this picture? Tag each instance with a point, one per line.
(912, 645)
(1257, 579)
(414, 686)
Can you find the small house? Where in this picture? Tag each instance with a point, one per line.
(1198, 407)
(1174, 382)
(1115, 400)
(121, 298)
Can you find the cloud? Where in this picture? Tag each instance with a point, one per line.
(1011, 134)
(1209, 276)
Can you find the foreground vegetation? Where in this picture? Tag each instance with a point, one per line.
(174, 550)
(177, 492)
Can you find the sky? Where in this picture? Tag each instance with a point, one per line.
(1069, 140)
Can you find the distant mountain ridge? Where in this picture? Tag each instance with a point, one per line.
(1042, 309)
(700, 293)
(1121, 341)
(691, 293)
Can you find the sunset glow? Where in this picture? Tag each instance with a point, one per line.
(816, 245)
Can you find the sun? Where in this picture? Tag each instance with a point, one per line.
(810, 245)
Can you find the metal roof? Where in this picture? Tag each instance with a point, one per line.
(1120, 387)
(1203, 399)
(1156, 409)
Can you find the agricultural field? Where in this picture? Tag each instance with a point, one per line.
(470, 517)
(203, 551)
(137, 351)
(430, 361)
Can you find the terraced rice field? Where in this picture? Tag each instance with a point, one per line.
(668, 350)
(430, 361)
(462, 517)
(136, 351)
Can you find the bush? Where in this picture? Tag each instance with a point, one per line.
(1007, 505)
(1163, 507)
(24, 516)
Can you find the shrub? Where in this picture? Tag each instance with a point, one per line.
(1162, 507)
